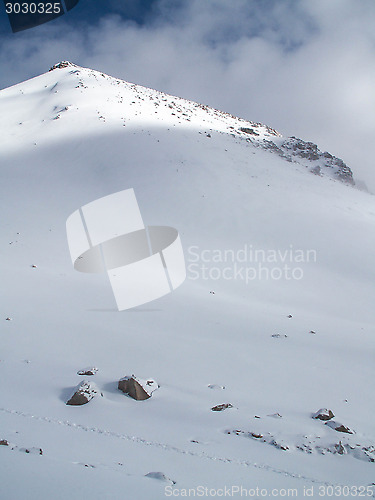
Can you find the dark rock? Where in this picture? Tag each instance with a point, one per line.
(88, 371)
(83, 393)
(222, 407)
(337, 426)
(323, 414)
(136, 388)
(343, 428)
(4, 442)
(247, 130)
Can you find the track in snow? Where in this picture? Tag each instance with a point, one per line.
(166, 447)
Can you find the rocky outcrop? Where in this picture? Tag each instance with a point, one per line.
(136, 388)
(63, 64)
(83, 393)
(293, 149)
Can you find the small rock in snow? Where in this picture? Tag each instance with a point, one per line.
(340, 449)
(33, 451)
(323, 414)
(222, 407)
(90, 370)
(4, 442)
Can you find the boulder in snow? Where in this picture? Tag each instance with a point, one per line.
(4, 442)
(323, 414)
(337, 426)
(136, 388)
(83, 393)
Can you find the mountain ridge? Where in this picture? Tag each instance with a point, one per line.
(177, 110)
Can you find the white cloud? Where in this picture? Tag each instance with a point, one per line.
(306, 68)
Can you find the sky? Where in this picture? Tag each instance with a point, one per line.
(303, 67)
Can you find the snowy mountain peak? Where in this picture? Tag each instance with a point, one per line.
(90, 99)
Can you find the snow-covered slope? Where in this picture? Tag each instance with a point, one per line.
(268, 237)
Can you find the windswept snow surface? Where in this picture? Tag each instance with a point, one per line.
(244, 212)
